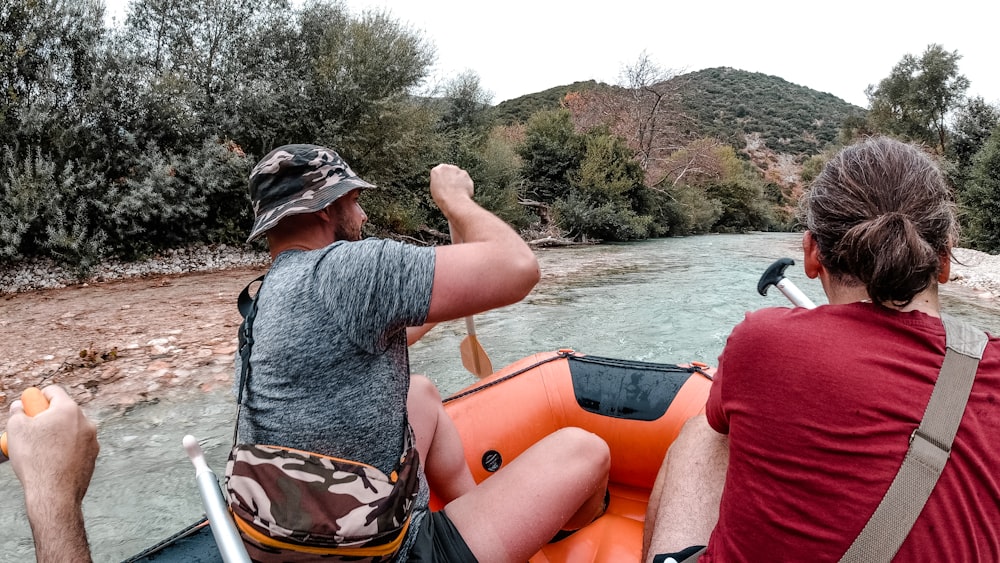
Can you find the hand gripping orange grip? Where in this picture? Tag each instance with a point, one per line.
(33, 402)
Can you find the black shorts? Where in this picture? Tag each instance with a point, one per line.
(689, 554)
(439, 542)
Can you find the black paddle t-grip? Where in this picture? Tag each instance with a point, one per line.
(774, 274)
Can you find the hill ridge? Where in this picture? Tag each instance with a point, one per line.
(728, 103)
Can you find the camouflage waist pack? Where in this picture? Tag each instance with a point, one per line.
(288, 502)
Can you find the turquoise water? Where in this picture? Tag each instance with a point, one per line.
(669, 300)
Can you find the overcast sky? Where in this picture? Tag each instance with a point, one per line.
(520, 47)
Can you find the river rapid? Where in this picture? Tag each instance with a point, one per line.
(667, 300)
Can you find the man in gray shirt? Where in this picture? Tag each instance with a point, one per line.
(329, 364)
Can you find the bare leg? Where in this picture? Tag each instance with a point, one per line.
(688, 486)
(440, 446)
(559, 482)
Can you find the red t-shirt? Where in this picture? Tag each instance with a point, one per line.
(819, 405)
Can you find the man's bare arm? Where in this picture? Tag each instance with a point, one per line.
(53, 455)
(491, 267)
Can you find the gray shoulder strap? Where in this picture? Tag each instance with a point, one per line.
(930, 447)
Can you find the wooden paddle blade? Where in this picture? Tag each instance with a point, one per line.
(474, 358)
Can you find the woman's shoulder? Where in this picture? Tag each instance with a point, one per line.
(796, 322)
(776, 316)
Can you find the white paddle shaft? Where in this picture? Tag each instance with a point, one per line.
(223, 528)
(794, 294)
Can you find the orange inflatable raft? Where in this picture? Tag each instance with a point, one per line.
(637, 407)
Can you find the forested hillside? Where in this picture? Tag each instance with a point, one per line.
(519, 110)
(728, 103)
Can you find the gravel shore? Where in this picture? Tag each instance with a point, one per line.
(46, 274)
(977, 270)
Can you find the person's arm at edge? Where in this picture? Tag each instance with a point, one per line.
(492, 267)
(58, 529)
(53, 455)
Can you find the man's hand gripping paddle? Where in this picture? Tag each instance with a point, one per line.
(474, 358)
(33, 403)
(775, 275)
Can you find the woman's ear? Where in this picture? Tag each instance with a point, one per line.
(945, 273)
(810, 250)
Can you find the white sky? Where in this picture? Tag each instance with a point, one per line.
(520, 47)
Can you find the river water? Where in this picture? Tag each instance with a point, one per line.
(668, 300)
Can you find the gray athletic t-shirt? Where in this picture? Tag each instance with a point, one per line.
(329, 365)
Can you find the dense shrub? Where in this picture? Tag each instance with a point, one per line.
(609, 221)
(744, 207)
(690, 211)
(24, 185)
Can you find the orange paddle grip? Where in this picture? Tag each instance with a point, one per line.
(33, 402)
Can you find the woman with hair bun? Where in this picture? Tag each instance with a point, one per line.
(812, 411)
(881, 222)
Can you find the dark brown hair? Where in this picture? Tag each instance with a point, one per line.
(882, 215)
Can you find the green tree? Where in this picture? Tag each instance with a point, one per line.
(605, 193)
(455, 129)
(914, 101)
(261, 75)
(711, 188)
(466, 105)
(356, 67)
(197, 58)
(971, 128)
(496, 170)
(137, 135)
(981, 197)
(812, 166)
(552, 152)
(609, 221)
(153, 28)
(173, 199)
(49, 50)
(463, 120)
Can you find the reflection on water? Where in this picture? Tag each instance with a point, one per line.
(670, 300)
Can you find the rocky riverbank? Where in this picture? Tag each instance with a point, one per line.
(46, 274)
(977, 270)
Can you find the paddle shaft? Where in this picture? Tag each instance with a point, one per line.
(794, 294)
(227, 538)
(33, 402)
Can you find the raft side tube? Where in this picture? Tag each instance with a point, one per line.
(636, 407)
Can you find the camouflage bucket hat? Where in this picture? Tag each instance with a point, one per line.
(297, 179)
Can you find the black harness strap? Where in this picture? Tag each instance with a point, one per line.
(248, 309)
